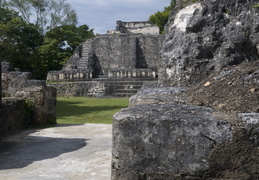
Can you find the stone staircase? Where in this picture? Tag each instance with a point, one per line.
(82, 63)
(127, 88)
(122, 88)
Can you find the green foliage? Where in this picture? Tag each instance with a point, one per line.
(256, 6)
(78, 110)
(184, 3)
(27, 49)
(29, 111)
(45, 14)
(59, 45)
(19, 40)
(160, 19)
(68, 37)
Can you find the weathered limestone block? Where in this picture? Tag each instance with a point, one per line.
(203, 38)
(165, 141)
(41, 98)
(251, 121)
(143, 27)
(70, 75)
(154, 95)
(6, 67)
(9, 77)
(12, 115)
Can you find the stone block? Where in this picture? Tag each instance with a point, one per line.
(205, 37)
(154, 95)
(251, 121)
(165, 140)
(12, 115)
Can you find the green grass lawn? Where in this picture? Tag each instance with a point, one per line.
(78, 110)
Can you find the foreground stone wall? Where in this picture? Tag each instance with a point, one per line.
(164, 141)
(41, 98)
(167, 132)
(12, 117)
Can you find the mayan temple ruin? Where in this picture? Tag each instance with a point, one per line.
(113, 64)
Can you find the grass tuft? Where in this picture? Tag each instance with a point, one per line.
(80, 110)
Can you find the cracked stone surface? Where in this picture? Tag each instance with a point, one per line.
(148, 138)
(64, 152)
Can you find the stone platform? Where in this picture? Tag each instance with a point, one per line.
(101, 87)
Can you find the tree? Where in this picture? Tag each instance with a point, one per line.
(27, 49)
(19, 40)
(46, 14)
(59, 45)
(2, 3)
(160, 19)
(68, 37)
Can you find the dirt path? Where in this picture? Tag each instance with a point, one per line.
(70, 152)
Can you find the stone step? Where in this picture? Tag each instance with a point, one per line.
(86, 50)
(123, 94)
(102, 76)
(87, 46)
(81, 62)
(82, 65)
(125, 80)
(129, 86)
(122, 91)
(123, 83)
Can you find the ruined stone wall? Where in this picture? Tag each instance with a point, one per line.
(104, 88)
(12, 116)
(41, 98)
(69, 75)
(115, 51)
(148, 51)
(143, 27)
(127, 51)
(72, 88)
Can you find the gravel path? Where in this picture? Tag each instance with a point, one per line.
(65, 152)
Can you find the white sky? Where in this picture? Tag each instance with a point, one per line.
(101, 15)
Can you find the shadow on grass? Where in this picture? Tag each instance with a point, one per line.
(66, 108)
